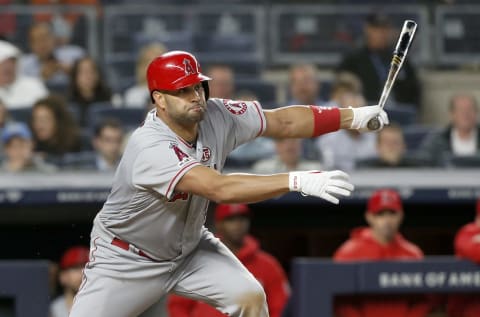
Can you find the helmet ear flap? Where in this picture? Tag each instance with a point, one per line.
(206, 89)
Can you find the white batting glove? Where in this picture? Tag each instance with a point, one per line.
(362, 115)
(326, 185)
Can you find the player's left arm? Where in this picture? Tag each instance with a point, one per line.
(311, 121)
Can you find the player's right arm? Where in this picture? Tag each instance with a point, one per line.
(248, 188)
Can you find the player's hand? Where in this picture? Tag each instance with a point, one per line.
(362, 115)
(326, 185)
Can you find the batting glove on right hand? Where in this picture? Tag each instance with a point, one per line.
(326, 185)
(362, 115)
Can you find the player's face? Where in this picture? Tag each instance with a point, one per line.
(385, 224)
(234, 229)
(186, 106)
(70, 279)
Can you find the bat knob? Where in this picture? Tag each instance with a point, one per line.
(373, 124)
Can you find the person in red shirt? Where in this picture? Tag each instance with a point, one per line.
(380, 241)
(467, 246)
(232, 224)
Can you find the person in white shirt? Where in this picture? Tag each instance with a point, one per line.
(460, 138)
(288, 158)
(343, 149)
(43, 62)
(138, 95)
(17, 91)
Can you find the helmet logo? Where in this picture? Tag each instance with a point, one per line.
(189, 70)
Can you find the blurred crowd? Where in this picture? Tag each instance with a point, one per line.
(58, 112)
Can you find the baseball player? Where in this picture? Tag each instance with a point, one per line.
(149, 238)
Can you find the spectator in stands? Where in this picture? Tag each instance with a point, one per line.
(461, 138)
(43, 62)
(371, 63)
(391, 150)
(3, 121)
(232, 224)
(288, 158)
(107, 142)
(17, 91)
(223, 85)
(87, 86)
(380, 241)
(54, 129)
(138, 96)
(304, 85)
(355, 146)
(467, 246)
(71, 272)
(18, 148)
(3, 115)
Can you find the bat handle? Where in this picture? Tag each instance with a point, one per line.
(373, 124)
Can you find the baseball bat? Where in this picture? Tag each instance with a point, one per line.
(399, 54)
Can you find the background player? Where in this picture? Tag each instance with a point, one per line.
(232, 223)
(71, 265)
(381, 241)
(149, 237)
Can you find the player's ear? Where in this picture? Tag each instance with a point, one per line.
(369, 218)
(159, 99)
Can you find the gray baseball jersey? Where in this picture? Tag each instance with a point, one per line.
(143, 207)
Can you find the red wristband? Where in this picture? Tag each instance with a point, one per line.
(325, 120)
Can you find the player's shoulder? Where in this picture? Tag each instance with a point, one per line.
(468, 229)
(348, 248)
(232, 107)
(151, 132)
(411, 249)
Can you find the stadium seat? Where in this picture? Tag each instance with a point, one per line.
(464, 161)
(81, 160)
(265, 91)
(21, 114)
(415, 135)
(402, 114)
(129, 117)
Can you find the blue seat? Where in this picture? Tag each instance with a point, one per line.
(402, 114)
(129, 117)
(79, 161)
(464, 161)
(21, 114)
(415, 135)
(266, 92)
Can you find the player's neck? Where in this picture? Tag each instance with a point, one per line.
(381, 239)
(69, 296)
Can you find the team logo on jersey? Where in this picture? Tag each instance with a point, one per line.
(206, 154)
(189, 70)
(182, 156)
(235, 107)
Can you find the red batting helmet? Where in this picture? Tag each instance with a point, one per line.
(175, 70)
